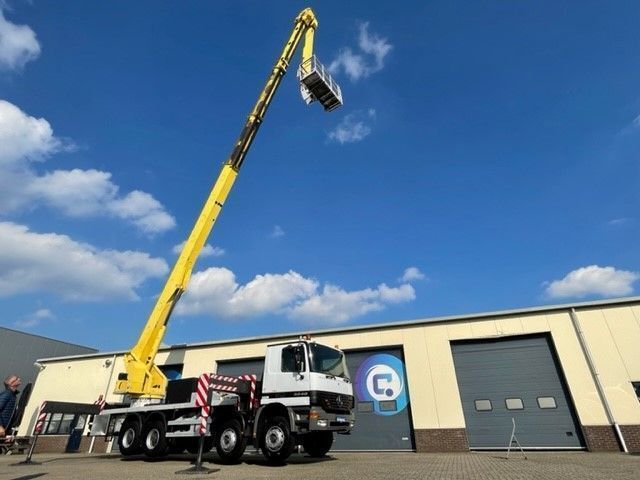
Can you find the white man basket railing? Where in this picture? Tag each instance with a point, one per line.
(316, 83)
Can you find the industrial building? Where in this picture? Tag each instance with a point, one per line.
(568, 376)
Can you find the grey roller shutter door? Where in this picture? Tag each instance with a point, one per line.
(515, 378)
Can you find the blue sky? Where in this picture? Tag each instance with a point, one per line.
(486, 158)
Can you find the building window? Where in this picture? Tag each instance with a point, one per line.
(58, 424)
(388, 406)
(514, 403)
(547, 402)
(483, 405)
(172, 372)
(636, 387)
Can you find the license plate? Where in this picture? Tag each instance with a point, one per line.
(341, 419)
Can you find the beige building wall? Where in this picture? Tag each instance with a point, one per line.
(611, 331)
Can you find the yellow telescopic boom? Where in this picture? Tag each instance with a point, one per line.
(143, 378)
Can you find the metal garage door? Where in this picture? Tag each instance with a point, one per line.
(242, 367)
(515, 378)
(382, 400)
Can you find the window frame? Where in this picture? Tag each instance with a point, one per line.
(555, 403)
(506, 404)
(475, 405)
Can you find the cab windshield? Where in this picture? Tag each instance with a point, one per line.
(327, 360)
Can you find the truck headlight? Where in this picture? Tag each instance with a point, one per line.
(322, 423)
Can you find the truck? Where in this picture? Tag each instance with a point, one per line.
(304, 394)
(303, 397)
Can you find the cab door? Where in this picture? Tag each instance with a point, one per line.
(286, 375)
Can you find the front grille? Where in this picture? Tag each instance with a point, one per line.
(334, 402)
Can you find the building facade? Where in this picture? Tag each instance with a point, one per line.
(564, 376)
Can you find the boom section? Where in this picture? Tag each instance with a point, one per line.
(143, 378)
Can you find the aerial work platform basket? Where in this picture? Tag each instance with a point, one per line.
(316, 83)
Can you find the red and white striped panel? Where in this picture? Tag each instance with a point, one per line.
(202, 390)
(252, 390)
(204, 415)
(40, 421)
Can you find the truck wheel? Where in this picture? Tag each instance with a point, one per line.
(155, 438)
(230, 441)
(317, 444)
(277, 441)
(129, 437)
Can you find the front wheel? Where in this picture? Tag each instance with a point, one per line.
(277, 441)
(230, 441)
(317, 444)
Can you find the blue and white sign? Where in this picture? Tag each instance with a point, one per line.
(380, 378)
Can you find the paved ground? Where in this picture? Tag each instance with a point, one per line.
(370, 466)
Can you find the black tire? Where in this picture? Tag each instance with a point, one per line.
(229, 440)
(277, 442)
(317, 444)
(154, 438)
(129, 437)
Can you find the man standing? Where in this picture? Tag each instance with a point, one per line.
(8, 402)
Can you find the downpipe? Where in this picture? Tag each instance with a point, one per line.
(596, 379)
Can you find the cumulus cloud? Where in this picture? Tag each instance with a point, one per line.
(370, 58)
(53, 263)
(593, 280)
(18, 44)
(354, 127)
(216, 292)
(207, 251)
(36, 318)
(26, 140)
(412, 274)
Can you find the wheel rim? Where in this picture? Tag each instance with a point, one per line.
(128, 438)
(228, 440)
(274, 439)
(153, 438)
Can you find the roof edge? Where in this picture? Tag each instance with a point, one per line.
(431, 320)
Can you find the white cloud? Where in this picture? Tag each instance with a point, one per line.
(18, 44)
(360, 65)
(54, 263)
(411, 274)
(207, 251)
(353, 127)
(618, 221)
(593, 280)
(23, 138)
(216, 292)
(636, 122)
(277, 232)
(76, 193)
(36, 318)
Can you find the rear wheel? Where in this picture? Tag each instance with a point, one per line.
(277, 440)
(317, 444)
(230, 441)
(155, 438)
(129, 437)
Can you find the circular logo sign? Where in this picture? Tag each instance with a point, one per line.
(380, 380)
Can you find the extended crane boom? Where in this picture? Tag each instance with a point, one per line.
(143, 378)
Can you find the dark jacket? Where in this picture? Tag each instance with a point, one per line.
(7, 404)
